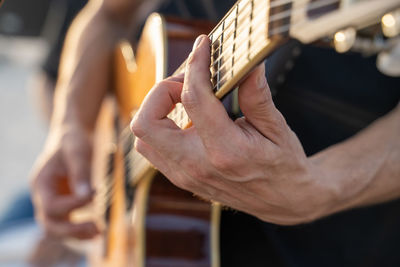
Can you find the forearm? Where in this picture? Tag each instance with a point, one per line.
(365, 169)
(85, 65)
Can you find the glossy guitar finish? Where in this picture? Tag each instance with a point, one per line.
(164, 225)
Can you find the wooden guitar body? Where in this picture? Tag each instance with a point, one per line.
(148, 221)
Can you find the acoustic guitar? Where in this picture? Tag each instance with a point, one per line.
(147, 221)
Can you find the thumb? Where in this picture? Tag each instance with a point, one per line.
(79, 172)
(256, 103)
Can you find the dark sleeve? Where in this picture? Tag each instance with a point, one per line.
(67, 9)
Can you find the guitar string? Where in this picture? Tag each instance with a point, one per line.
(231, 23)
(278, 3)
(236, 55)
(141, 160)
(243, 59)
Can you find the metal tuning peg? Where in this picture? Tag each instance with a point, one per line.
(388, 62)
(343, 40)
(391, 23)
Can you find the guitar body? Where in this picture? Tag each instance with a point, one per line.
(148, 221)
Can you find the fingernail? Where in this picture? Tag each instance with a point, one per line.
(262, 80)
(198, 41)
(82, 190)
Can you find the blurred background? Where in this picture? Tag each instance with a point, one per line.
(23, 47)
(27, 30)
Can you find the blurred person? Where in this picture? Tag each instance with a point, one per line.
(343, 176)
(18, 217)
(57, 24)
(44, 84)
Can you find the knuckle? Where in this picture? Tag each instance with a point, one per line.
(161, 85)
(221, 162)
(139, 126)
(188, 98)
(184, 183)
(278, 127)
(275, 158)
(139, 146)
(193, 57)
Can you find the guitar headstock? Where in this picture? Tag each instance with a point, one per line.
(340, 22)
(312, 20)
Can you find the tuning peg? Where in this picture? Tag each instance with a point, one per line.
(344, 39)
(388, 61)
(391, 23)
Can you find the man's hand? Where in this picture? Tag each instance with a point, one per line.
(61, 184)
(255, 164)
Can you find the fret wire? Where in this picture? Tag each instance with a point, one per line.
(219, 24)
(239, 34)
(241, 45)
(278, 30)
(274, 4)
(239, 30)
(251, 29)
(234, 39)
(239, 59)
(232, 22)
(220, 52)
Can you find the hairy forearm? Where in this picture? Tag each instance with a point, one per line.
(85, 65)
(365, 169)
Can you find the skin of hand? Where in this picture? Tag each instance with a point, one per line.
(61, 175)
(255, 164)
(62, 184)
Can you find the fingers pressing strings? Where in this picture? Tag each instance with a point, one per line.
(256, 103)
(205, 111)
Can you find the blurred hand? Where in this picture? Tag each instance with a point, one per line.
(255, 164)
(61, 183)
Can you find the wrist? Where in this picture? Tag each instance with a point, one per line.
(325, 193)
(68, 133)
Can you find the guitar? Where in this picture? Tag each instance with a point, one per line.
(147, 221)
